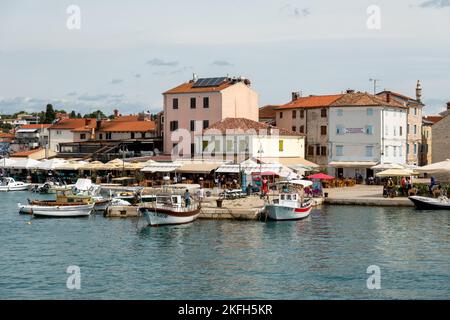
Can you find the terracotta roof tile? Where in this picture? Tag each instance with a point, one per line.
(433, 119)
(364, 99)
(6, 135)
(341, 100)
(243, 124)
(395, 94)
(35, 126)
(130, 117)
(188, 88)
(268, 111)
(72, 124)
(25, 153)
(127, 126)
(311, 102)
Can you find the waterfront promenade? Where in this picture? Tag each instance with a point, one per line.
(364, 195)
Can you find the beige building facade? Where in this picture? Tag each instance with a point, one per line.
(440, 142)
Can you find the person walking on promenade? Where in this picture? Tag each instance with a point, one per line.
(403, 183)
(187, 198)
(432, 184)
(201, 193)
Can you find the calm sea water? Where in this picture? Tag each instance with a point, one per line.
(323, 257)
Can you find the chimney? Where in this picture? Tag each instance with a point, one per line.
(418, 91)
(295, 95)
(194, 77)
(448, 105)
(388, 97)
(350, 91)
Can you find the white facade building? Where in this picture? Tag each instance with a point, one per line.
(362, 136)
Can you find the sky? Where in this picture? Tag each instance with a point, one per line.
(126, 53)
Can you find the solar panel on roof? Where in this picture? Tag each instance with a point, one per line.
(209, 82)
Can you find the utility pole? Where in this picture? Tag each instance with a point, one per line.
(375, 81)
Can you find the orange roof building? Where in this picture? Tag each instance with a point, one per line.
(84, 130)
(200, 102)
(310, 115)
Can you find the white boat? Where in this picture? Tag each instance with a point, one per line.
(9, 184)
(425, 203)
(168, 209)
(101, 204)
(118, 202)
(63, 211)
(288, 205)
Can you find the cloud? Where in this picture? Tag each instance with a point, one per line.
(96, 97)
(15, 104)
(435, 4)
(294, 11)
(221, 63)
(162, 63)
(176, 71)
(137, 75)
(116, 81)
(73, 93)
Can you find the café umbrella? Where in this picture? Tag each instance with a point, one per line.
(396, 173)
(320, 176)
(438, 167)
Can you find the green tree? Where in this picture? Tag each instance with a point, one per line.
(50, 114)
(96, 115)
(6, 127)
(73, 115)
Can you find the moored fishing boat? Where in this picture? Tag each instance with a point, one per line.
(9, 184)
(66, 204)
(60, 211)
(425, 203)
(288, 204)
(168, 209)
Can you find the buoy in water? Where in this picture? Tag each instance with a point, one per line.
(28, 222)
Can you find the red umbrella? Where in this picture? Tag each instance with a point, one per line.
(320, 176)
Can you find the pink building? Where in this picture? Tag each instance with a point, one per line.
(197, 104)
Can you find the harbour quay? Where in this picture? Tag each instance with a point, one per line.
(363, 195)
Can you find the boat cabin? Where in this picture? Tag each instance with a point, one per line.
(286, 199)
(7, 180)
(169, 200)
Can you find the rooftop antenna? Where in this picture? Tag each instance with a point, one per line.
(375, 81)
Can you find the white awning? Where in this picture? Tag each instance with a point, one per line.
(21, 163)
(352, 164)
(26, 130)
(200, 167)
(51, 164)
(161, 167)
(250, 168)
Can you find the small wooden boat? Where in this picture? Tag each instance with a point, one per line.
(287, 205)
(168, 209)
(9, 184)
(74, 204)
(60, 211)
(425, 203)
